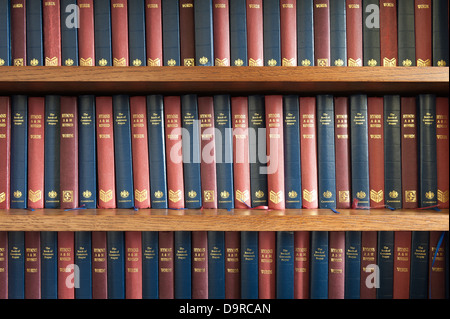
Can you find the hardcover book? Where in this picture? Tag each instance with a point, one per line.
(133, 265)
(18, 33)
(136, 33)
(271, 33)
(99, 265)
(200, 265)
(204, 33)
(5, 149)
(171, 32)
(66, 263)
(238, 33)
(388, 33)
(232, 265)
(406, 34)
(338, 33)
(442, 151)
(115, 257)
(255, 32)
(52, 32)
(5, 35)
(35, 32)
(32, 265)
(187, 33)
(150, 257)
(216, 265)
(420, 245)
(375, 111)
(102, 34)
(319, 264)
(423, 32)
(49, 264)
(249, 265)
(221, 20)
(119, 33)
(436, 286)
(305, 33)
(355, 43)
(52, 152)
(267, 258)
(3, 265)
(352, 265)
(69, 33)
(83, 259)
(88, 32)
(322, 41)
(385, 263)
(301, 264)
(402, 264)
(371, 33)
(285, 265)
(336, 265)
(369, 258)
(182, 264)
(16, 265)
(288, 32)
(440, 33)
(153, 32)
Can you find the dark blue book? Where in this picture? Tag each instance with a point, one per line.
(325, 152)
(69, 34)
(271, 32)
(83, 259)
(285, 265)
(385, 262)
(406, 34)
(371, 33)
(216, 264)
(224, 151)
(238, 33)
(352, 264)
(319, 265)
(204, 33)
(359, 150)
(249, 265)
(35, 44)
(49, 265)
(19, 148)
(150, 286)
(87, 159)
(305, 33)
(51, 153)
(102, 33)
(116, 264)
(392, 152)
(427, 150)
(136, 32)
(16, 265)
(338, 33)
(440, 33)
(122, 152)
(182, 263)
(418, 284)
(171, 32)
(257, 149)
(157, 151)
(191, 151)
(5, 33)
(292, 164)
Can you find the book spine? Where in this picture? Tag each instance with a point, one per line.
(32, 265)
(271, 33)
(301, 264)
(204, 33)
(52, 32)
(139, 144)
(119, 32)
(83, 259)
(49, 265)
(136, 33)
(266, 264)
(440, 33)
(87, 159)
(436, 286)
(200, 265)
(423, 32)
(51, 153)
(35, 33)
(338, 33)
(319, 265)
(305, 33)
(255, 32)
(208, 151)
(88, 32)
(123, 152)
(388, 33)
(116, 264)
(187, 33)
(3, 265)
(171, 32)
(275, 151)
(368, 260)
(102, 33)
(386, 264)
(221, 20)
(153, 32)
(5, 33)
(66, 263)
(69, 33)
(409, 154)
(375, 111)
(249, 265)
(182, 264)
(406, 34)
(308, 152)
(191, 151)
(238, 33)
(99, 265)
(402, 264)
(18, 33)
(216, 264)
(150, 256)
(16, 265)
(69, 153)
(322, 41)
(133, 265)
(352, 264)
(157, 151)
(224, 151)
(355, 43)
(371, 33)
(336, 265)
(288, 32)
(232, 265)
(36, 138)
(418, 287)
(442, 151)
(285, 265)
(5, 149)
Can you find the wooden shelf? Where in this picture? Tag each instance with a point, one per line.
(217, 80)
(219, 220)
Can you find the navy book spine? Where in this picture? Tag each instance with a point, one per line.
(102, 33)
(440, 33)
(35, 46)
(352, 264)
(406, 34)
(249, 265)
(83, 259)
(224, 151)
(338, 35)
(319, 265)
(49, 265)
(204, 33)
(5, 33)
(122, 152)
(156, 147)
(182, 264)
(418, 285)
(19, 148)
(305, 33)
(238, 33)
(271, 32)
(51, 153)
(216, 265)
(16, 265)
(150, 286)
(171, 32)
(371, 33)
(285, 265)
(116, 264)
(191, 151)
(69, 34)
(136, 32)
(386, 264)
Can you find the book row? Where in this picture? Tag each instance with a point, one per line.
(224, 33)
(224, 265)
(222, 151)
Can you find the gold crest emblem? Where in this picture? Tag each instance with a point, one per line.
(189, 62)
(51, 61)
(34, 196)
(119, 62)
(393, 194)
(222, 62)
(105, 196)
(34, 62)
(69, 62)
(137, 62)
(372, 62)
(259, 194)
(192, 194)
(209, 196)
(203, 60)
(361, 195)
(292, 194)
(18, 62)
(327, 194)
(309, 196)
(272, 62)
(140, 196)
(339, 62)
(103, 62)
(67, 196)
(276, 198)
(429, 195)
(306, 62)
(2, 62)
(421, 62)
(407, 62)
(242, 196)
(224, 194)
(322, 62)
(376, 196)
(389, 62)
(353, 62)
(17, 194)
(288, 62)
(87, 194)
(86, 62)
(2, 197)
(344, 196)
(253, 62)
(159, 194)
(154, 62)
(238, 62)
(171, 62)
(410, 196)
(442, 196)
(441, 63)
(52, 194)
(124, 193)
(174, 196)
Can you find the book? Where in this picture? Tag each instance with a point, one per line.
(338, 33)
(150, 257)
(375, 130)
(216, 265)
(32, 265)
(16, 265)
(221, 30)
(271, 32)
(288, 32)
(267, 262)
(171, 32)
(3, 265)
(102, 33)
(255, 32)
(204, 33)
(402, 264)
(406, 34)
(249, 265)
(385, 263)
(119, 33)
(5, 148)
(52, 151)
(232, 265)
(442, 151)
(369, 261)
(187, 32)
(35, 33)
(52, 32)
(319, 265)
(419, 269)
(115, 256)
(69, 33)
(305, 33)
(83, 260)
(200, 265)
(352, 265)
(436, 286)
(440, 33)
(5, 35)
(66, 265)
(423, 32)
(49, 264)
(18, 33)
(322, 41)
(336, 265)
(238, 32)
(99, 265)
(136, 33)
(88, 31)
(166, 265)
(354, 22)
(182, 264)
(285, 265)
(153, 32)
(301, 264)
(133, 265)
(388, 33)
(371, 33)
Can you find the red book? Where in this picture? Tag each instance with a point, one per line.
(208, 151)
(232, 265)
(423, 28)
(5, 148)
(275, 151)
(322, 44)
(105, 152)
(368, 258)
(266, 264)
(166, 267)
(66, 262)
(36, 129)
(119, 32)
(336, 265)
(402, 264)
(437, 267)
(139, 143)
(221, 29)
(301, 264)
(442, 150)
(199, 265)
(388, 33)
(133, 265)
(19, 32)
(3, 265)
(376, 151)
(99, 265)
(239, 115)
(410, 183)
(69, 153)
(52, 32)
(86, 38)
(255, 33)
(187, 33)
(288, 32)
(153, 25)
(342, 145)
(32, 265)
(308, 152)
(354, 16)
(174, 157)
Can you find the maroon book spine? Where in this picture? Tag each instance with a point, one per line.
(52, 32)
(32, 265)
(442, 150)
(199, 265)
(436, 266)
(133, 265)
(99, 265)
(232, 265)
(3, 265)
(388, 33)
(153, 25)
(255, 33)
(166, 266)
(86, 38)
(119, 32)
(322, 43)
(288, 32)
(266, 262)
(187, 32)
(221, 19)
(301, 264)
(66, 262)
(5, 150)
(19, 32)
(368, 257)
(423, 28)
(402, 264)
(354, 17)
(336, 265)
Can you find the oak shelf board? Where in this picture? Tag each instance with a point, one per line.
(224, 80)
(223, 220)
